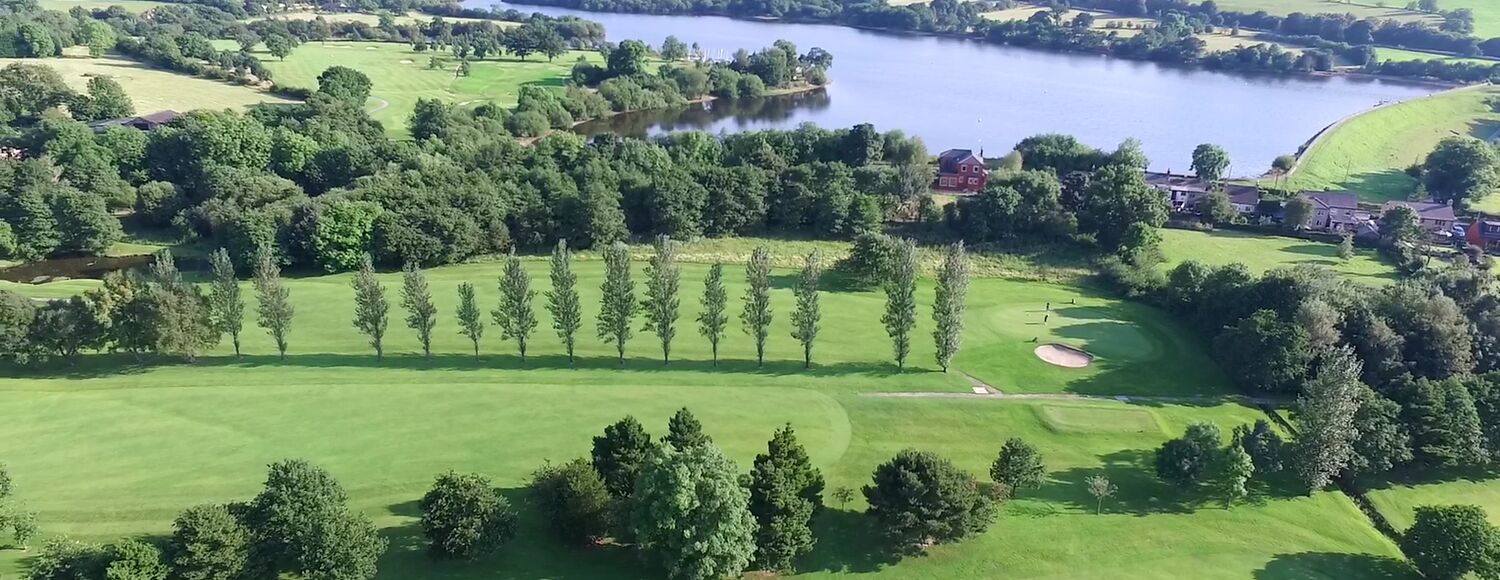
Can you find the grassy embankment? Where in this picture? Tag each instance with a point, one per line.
(130, 447)
(1368, 154)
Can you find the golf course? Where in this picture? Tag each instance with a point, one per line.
(134, 445)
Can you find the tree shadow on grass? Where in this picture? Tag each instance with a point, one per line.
(114, 364)
(534, 552)
(848, 542)
(1140, 492)
(1333, 566)
(1410, 476)
(1329, 251)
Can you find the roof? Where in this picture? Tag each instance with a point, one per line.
(1243, 194)
(1427, 210)
(1176, 182)
(1332, 199)
(140, 121)
(959, 155)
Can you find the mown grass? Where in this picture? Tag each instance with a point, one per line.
(1399, 54)
(130, 5)
(1262, 252)
(400, 75)
(1368, 154)
(1397, 500)
(154, 89)
(374, 19)
(1360, 10)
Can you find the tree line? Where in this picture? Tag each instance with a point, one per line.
(630, 490)
(159, 313)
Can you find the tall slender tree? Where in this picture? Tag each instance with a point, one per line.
(421, 312)
(757, 314)
(713, 317)
(785, 491)
(948, 304)
(900, 299)
(1325, 419)
(225, 304)
(562, 299)
(684, 431)
(663, 277)
(275, 300)
(515, 316)
(618, 306)
(807, 318)
(470, 320)
(371, 309)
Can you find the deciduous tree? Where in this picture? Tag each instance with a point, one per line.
(808, 316)
(714, 316)
(562, 299)
(948, 304)
(1102, 489)
(300, 524)
(663, 277)
(208, 543)
(421, 312)
(470, 319)
(225, 304)
(1185, 461)
(464, 516)
(901, 300)
(515, 316)
(274, 299)
(371, 309)
(918, 497)
(757, 314)
(618, 305)
(577, 503)
(1019, 466)
(1450, 542)
(1210, 161)
(691, 516)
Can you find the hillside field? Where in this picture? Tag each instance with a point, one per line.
(401, 75)
(1261, 252)
(132, 446)
(1368, 154)
(154, 89)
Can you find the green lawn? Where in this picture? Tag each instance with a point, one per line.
(401, 75)
(1486, 15)
(1398, 54)
(1398, 501)
(374, 19)
(1369, 153)
(1262, 252)
(154, 89)
(1358, 9)
(131, 5)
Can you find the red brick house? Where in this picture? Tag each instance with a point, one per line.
(960, 171)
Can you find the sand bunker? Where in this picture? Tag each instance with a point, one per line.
(406, 61)
(1064, 356)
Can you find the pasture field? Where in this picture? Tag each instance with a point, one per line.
(374, 19)
(1368, 154)
(1360, 10)
(1262, 252)
(1400, 54)
(130, 447)
(401, 75)
(130, 5)
(154, 89)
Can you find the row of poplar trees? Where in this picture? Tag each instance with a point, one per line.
(517, 319)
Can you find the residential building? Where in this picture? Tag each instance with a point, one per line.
(1485, 233)
(1185, 191)
(1336, 211)
(961, 171)
(1436, 217)
(147, 122)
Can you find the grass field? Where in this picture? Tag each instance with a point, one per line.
(374, 19)
(1127, 26)
(1398, 501)
(153, 89)
(131, 5)
(1360, 10)
(1368, 154)
(129, 448)
(400, 75)
(1398, 54)
(1263, 252)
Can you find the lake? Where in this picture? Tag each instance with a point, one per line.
(967, 94)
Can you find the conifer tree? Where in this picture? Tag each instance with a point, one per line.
(275, 300)
(620, 454)
(900, 300)
(562, 299)
(470, 320)
(807, 317)
(948, 304)
(785, 491)
(421, 312)
(618, 305)
(371, 309)
(663, 277)
(757, 314)
(515, 316)
(714, 316)
(224, 298)
(684, 431)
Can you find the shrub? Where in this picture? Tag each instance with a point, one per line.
(465, 517)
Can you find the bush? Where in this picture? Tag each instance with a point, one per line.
(527, 124)
(869, 261)
(575, 499)
(918, 497)
(465, 517)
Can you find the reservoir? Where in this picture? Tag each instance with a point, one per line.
(960, 93)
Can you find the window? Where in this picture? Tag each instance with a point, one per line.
(973, 181)
(963, 169)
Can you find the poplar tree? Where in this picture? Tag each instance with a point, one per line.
(663, 277)
(713, 317)
(225, 304)
(371, 310)
(470, 320)
(757, 313)
(1325, 419)
(275, 300)
(900, 299)
(948, 304)
(515, 316)
(416, 298)
(562, 299)
(809, 313)
(618, 305)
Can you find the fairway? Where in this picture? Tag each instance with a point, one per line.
(1368, 154)
(1261, 252)
(1398, 501)
(401, 75)
(154, 89)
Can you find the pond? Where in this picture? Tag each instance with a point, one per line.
(958, 93)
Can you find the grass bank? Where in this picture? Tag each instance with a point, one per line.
(154, 89)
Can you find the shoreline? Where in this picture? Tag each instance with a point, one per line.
(705, 99)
